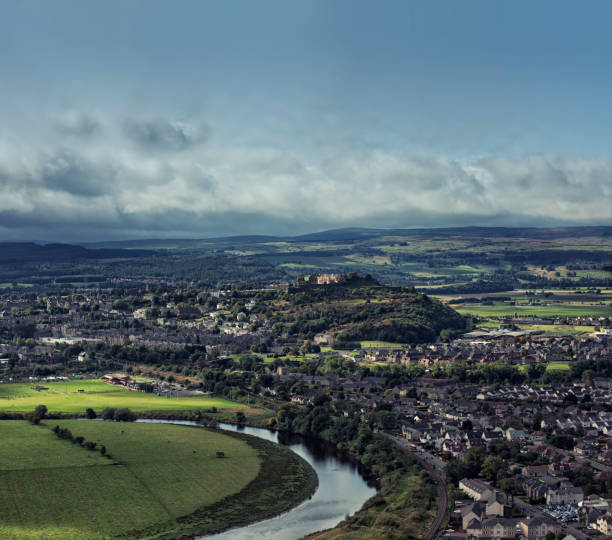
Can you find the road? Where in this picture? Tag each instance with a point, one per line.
(435, 468)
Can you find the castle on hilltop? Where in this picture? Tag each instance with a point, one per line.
(328, 279)
(320, 279)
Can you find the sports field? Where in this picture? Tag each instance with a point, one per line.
(76, 396)
(54, 489)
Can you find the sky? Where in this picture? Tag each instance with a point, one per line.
(148, 119)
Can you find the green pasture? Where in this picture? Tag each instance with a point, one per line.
(550, 366)
(558, 329)
(65, 397)
(381, 345)
(53, 489)
(556, 310)
(557, 366)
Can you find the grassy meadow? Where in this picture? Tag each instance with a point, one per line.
(550, 366)
(500, 309)
(53, 489)
(96, 394)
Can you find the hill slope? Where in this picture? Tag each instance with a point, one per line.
(363, 309)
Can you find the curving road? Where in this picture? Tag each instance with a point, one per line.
(435, 469)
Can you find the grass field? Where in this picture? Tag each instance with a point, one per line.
(381, 345)
(556, 310)
(65, 397)
(53, 489)
(558, 330)
(550, 366)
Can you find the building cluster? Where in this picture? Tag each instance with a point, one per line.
(516, 352)
(484, 518)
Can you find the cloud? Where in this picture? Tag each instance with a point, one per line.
(165, 135)
(104, 188)
(77, 123)
(74, 175)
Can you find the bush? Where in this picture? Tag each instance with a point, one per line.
(90, 413)
(108, 413)
(124, 415)
(32, 418)
(63, 433)
(41, 411)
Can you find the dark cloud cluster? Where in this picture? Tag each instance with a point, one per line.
(162, 135)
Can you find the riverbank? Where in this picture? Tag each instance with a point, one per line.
(125, 480)
(403, 509)
(284, 481)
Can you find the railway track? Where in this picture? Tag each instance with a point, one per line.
(432, 532)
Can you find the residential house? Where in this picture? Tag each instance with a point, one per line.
(604, 524)
(536, 528)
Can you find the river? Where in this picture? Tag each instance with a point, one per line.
(342, 491)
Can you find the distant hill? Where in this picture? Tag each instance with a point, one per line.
(20, 252)
(489, 232)
(359, 233)
(459, 259)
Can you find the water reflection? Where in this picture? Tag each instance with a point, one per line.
(342, 491)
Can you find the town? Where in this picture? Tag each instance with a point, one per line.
(525, 450)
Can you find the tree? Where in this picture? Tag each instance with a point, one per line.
(90, 413)
(537, 420)
(473, 461)
(124, 415)
(41, 411)
(466, 425)
(108, 413)
(510, 486)
(583, 475)
(240, 418)
(493, 467)
(455, 471)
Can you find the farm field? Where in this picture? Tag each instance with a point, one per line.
(556, 310)
(53, 489)
(65, 397)
(559, 329)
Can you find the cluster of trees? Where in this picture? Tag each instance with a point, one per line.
(584, 476)
(477, 462)
(586, 369)
(118, 415)
(65, 433)
(376, 451)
